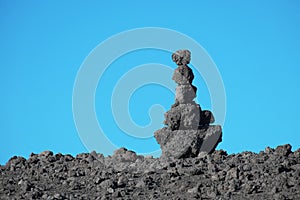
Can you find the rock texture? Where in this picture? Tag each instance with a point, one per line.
(270, 174)
(188, 132)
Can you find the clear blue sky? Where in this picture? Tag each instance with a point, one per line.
(255, 45)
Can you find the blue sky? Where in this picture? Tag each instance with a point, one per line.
(255, 45)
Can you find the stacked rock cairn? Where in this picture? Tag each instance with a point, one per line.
(188, 132)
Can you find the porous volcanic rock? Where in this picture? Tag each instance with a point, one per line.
(181, 57)
(267, 175)
(188, 130)
(183, 117)
(185, 93)
(183, 75)
(187, 143)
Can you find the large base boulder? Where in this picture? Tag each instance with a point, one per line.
(188, 143)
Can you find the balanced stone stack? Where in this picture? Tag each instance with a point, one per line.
(188, 132)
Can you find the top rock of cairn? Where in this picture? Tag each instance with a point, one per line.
(183, 74)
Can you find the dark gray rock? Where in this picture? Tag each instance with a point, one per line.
(173, 118)
(182, 57)
(206, 118)
(246, 175)
(185, 93)
(284, 150)
(16, 162)
(183, 116)
(213, 136)
(188, 143)
(124, 155)
(188, 132)
(183, 75)
(46, 153)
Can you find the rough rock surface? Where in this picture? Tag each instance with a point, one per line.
(181, 57)
(270, 174)
(191, 142)
(185, 93)
(183, 75)
(188, 132)
(183, 117)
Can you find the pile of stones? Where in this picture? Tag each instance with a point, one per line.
(188, 132)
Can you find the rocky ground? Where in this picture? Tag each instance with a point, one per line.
(270, 174)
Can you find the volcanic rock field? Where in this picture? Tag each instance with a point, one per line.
(270, 174)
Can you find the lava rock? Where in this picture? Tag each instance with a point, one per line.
(185, 116)
(185, 93)
(124, 155)
(181, 57)
(207, 118)
(188, 130)
(188, 143)
(283, 150)
(245, 175)
(46, 153)
(183, 75)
